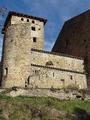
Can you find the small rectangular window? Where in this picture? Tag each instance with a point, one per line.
(33, 21)
(34, 39)
(33, 28)
(71, 77)
(27, 20)
(53, 74)
(5, 71)
(62, 80)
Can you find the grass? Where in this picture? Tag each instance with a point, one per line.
(40, 108)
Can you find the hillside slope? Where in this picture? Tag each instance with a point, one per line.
(42, 108)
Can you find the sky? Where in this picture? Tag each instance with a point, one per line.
(55, 11)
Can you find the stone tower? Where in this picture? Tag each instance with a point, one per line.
(21, 33)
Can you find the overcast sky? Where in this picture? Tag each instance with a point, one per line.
(55, 11)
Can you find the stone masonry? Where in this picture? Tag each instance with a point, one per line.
(57, 71)
(25, 64)
(18, 41)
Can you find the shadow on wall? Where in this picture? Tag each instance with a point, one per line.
(80, 114)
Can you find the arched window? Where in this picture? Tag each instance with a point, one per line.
(27, 20)
(49, 63)
(22, 19)
(33, 21)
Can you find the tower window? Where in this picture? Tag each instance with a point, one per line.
(27, 20)
(33, 21)
(22, 19)
(34, 39)
(33, 28)
(5, 71)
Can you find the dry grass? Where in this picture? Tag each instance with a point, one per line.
(42, 108)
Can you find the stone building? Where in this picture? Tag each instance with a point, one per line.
(74, 39)
(26, 64)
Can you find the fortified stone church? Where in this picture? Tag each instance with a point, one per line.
(25, 63)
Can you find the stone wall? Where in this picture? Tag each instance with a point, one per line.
(57, 61)
(38, 33)
(18, 41)
(62, 94)
(57, 71)
(16, 56)
(27, 67)
(46, 77)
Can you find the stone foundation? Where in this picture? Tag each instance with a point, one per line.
(62, 94)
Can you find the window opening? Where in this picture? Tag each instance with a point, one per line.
(5, 71)
(71, 77)
(22, 19)
(27, 20)
(34, 39)
(33, 28)
(53, 74)
(33, 21)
